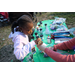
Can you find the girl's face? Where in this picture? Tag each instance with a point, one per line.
(27, 29)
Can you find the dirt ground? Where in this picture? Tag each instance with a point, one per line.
(6, 52)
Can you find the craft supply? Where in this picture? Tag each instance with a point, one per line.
(33, 50)
(36, 33)
(52, 27)
(52, 36)
(47, 30)
(65, 33)
(41, 51)
(48, 39)
(45, 55)
(61, 39)
(37, 37)
(40, 29)
(41, 37)
(39, 25)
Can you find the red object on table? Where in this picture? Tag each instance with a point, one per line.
(52, 36)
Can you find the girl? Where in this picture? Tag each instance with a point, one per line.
(20, 31)
(62, 46)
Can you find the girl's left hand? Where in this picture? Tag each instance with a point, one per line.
(36, 41)
(33, 48)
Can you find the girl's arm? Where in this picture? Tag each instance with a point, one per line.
(65, 45)
(59, 57)
(20, 49)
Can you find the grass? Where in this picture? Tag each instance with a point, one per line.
(4, 33)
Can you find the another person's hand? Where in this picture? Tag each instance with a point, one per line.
(52, 48)
(42, 46)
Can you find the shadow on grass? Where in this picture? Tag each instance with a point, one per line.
(7, 55)
(63, 13)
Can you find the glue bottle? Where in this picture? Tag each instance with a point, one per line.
(48, 39)
(47, 30)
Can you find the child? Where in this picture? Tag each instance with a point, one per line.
(62, 46)
(20, 31)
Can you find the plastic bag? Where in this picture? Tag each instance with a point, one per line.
(59, 20)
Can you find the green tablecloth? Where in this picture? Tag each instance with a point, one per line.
(39, 57)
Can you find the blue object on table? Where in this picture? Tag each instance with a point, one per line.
(45, 55)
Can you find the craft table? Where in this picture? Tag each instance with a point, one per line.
(39, 57)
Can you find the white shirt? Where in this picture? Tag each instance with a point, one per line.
(22, 46)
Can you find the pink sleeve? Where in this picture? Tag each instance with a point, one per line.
(65, 45)
(59, 57)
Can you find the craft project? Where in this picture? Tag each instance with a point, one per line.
(72, 31)
(37, 37)
(45, 25)
(37, 28)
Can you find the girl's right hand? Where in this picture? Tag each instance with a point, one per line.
(37, 40)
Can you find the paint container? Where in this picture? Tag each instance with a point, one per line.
(48, 39)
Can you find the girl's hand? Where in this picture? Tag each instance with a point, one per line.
(36, 41)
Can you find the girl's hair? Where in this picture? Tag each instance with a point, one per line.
(23, 20)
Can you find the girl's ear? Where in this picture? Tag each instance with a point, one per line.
(20, 28)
